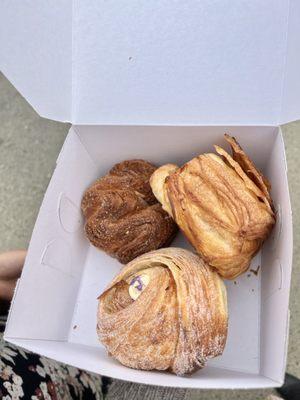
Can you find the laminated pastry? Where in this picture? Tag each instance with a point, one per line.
(165, 310)
(123, 217)
(222, 204)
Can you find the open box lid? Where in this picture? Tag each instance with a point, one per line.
(147, 62)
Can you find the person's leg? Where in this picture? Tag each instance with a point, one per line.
(11, 264)
(26, 375)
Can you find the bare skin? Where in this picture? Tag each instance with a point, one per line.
(11, 264)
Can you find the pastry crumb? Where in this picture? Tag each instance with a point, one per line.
(255, 271)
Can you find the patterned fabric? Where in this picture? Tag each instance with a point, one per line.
(28, 376)
(25, 375)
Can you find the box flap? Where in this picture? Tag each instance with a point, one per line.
(36, 53)
(98, 62)
(291, 84)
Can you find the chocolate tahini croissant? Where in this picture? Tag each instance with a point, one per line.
(123, 217)
(165, 310)
(222, 204)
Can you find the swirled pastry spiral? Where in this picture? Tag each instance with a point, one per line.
(165, 310)
(123, 217)
(222, 204)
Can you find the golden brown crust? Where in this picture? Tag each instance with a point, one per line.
(223, 213)
(123, 217)
(249, 168)
(178, 321)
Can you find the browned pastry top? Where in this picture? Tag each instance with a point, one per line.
(222, 203)
(178, 321)
(123, 217)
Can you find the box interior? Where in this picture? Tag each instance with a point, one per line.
(64, 275)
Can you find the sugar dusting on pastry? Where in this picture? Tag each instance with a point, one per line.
(179, 320)
(123, 217)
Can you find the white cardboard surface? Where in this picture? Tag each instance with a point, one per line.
(208, 378)
(36, 53)
(291, 83)
(276, 275)
(54, 309)
(57, 252)
(242, 352)
(130, 62)
(150, 63)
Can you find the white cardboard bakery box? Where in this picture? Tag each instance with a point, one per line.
(161, 81)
